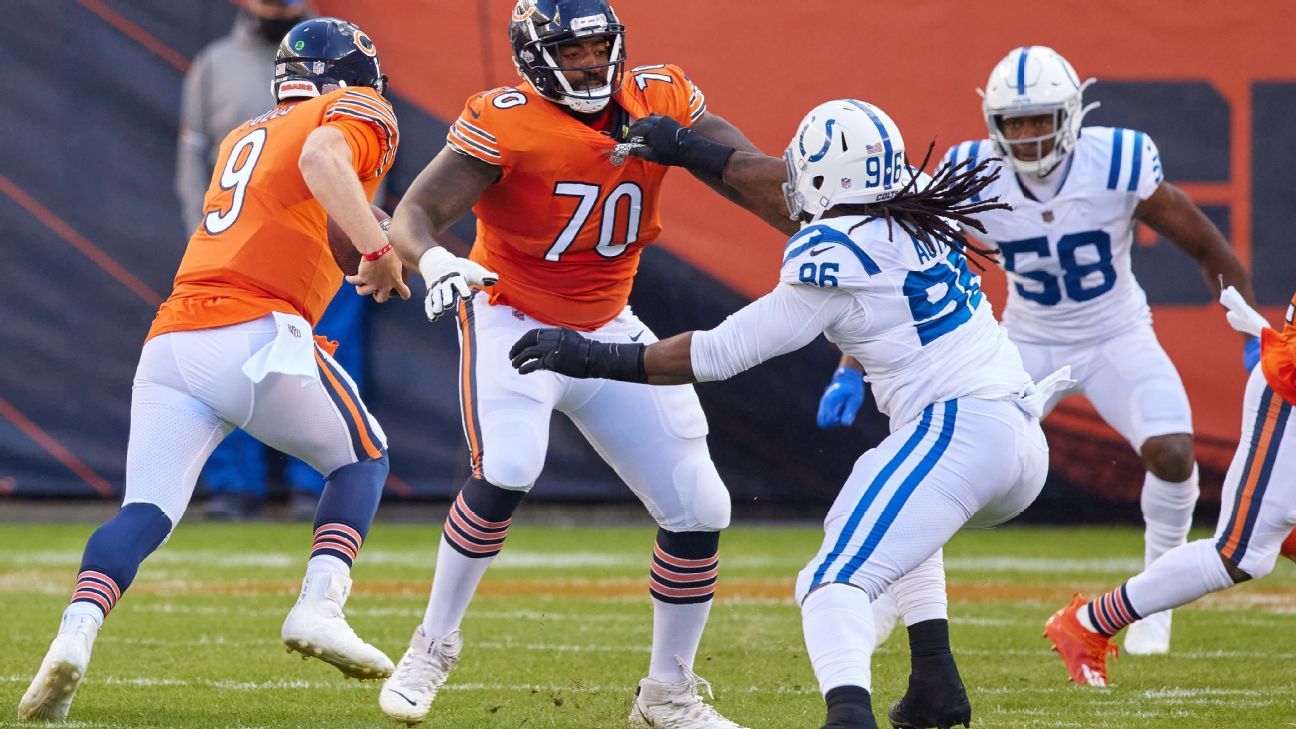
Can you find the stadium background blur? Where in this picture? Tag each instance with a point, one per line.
(91, 236)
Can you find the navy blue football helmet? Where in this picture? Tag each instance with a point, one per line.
(323, 54)
(536, 30)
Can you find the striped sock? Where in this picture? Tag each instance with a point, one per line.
(682, 582)
(97, 589)
(472, 535)
(1112, 612)
(474, 531)
(337, 540)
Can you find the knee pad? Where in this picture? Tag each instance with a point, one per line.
(118, 546)
(516, 466)
(703, 493)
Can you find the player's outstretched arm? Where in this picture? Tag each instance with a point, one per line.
(782, 321)
(718, 154)
(444, 192)
(750, 177)
(1170, 212)
(327, 167)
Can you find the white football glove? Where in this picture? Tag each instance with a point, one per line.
(449, 279)
(1240, 314)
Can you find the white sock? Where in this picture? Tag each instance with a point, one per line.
(76, 612)
(453, 585)
(677, 630)
(920, 594)
(838, 624)
(1180, 576)
(1167, 514)
(327, 563)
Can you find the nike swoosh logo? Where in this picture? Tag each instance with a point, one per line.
(635, 338)
(817, 251)
(403, 696)
(476, 114)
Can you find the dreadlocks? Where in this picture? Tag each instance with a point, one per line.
(939, 208)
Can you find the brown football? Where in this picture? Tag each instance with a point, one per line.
(344, 253)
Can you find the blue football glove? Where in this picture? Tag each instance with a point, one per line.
(1251, 354)
(842, 399)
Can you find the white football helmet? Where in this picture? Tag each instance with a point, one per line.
(844, 151)
(1030, 81)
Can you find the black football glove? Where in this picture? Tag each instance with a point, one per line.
(667, 142)
(568, 353)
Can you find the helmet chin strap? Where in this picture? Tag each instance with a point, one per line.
(587, 106)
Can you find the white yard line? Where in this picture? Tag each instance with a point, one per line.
(522, 559)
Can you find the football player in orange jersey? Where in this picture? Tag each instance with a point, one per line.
(232, 347)
(564, 224)
(1257, 513)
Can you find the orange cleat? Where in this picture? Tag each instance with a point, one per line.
(1082, 650)
(1288, 549)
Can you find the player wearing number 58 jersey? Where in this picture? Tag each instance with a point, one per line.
(1077, 195)
(562, 217)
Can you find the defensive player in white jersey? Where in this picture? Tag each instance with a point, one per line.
(1077, 195)
(879, 268)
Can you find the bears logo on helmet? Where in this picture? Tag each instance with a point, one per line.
(539, 27)
(323, 54)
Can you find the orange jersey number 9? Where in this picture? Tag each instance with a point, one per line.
(236, 176)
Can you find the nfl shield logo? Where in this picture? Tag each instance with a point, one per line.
(845, 183)
(319, 67)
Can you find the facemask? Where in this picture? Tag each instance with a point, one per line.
(274, 29)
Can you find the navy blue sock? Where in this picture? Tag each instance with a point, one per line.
(684, 566)
(347, 508)
(929, 638)
(479, 518)
(849, 707)
(114, 552)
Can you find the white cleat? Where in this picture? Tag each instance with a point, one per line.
(316, 628)
(1149, 636)
(50, 695)
(407, 696)
(660, 705)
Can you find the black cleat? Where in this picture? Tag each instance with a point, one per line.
(936, 698)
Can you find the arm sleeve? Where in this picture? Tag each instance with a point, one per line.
(784, 320)
(1150, 174)
(193, 150)
(369, 125)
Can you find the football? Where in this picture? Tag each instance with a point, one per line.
(344, 253)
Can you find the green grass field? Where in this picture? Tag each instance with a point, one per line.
(559, 634)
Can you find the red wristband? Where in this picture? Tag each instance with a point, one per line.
(378, 253)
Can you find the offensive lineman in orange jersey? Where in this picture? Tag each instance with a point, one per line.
(563, 220)
(232, 347)
(1257, 513)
